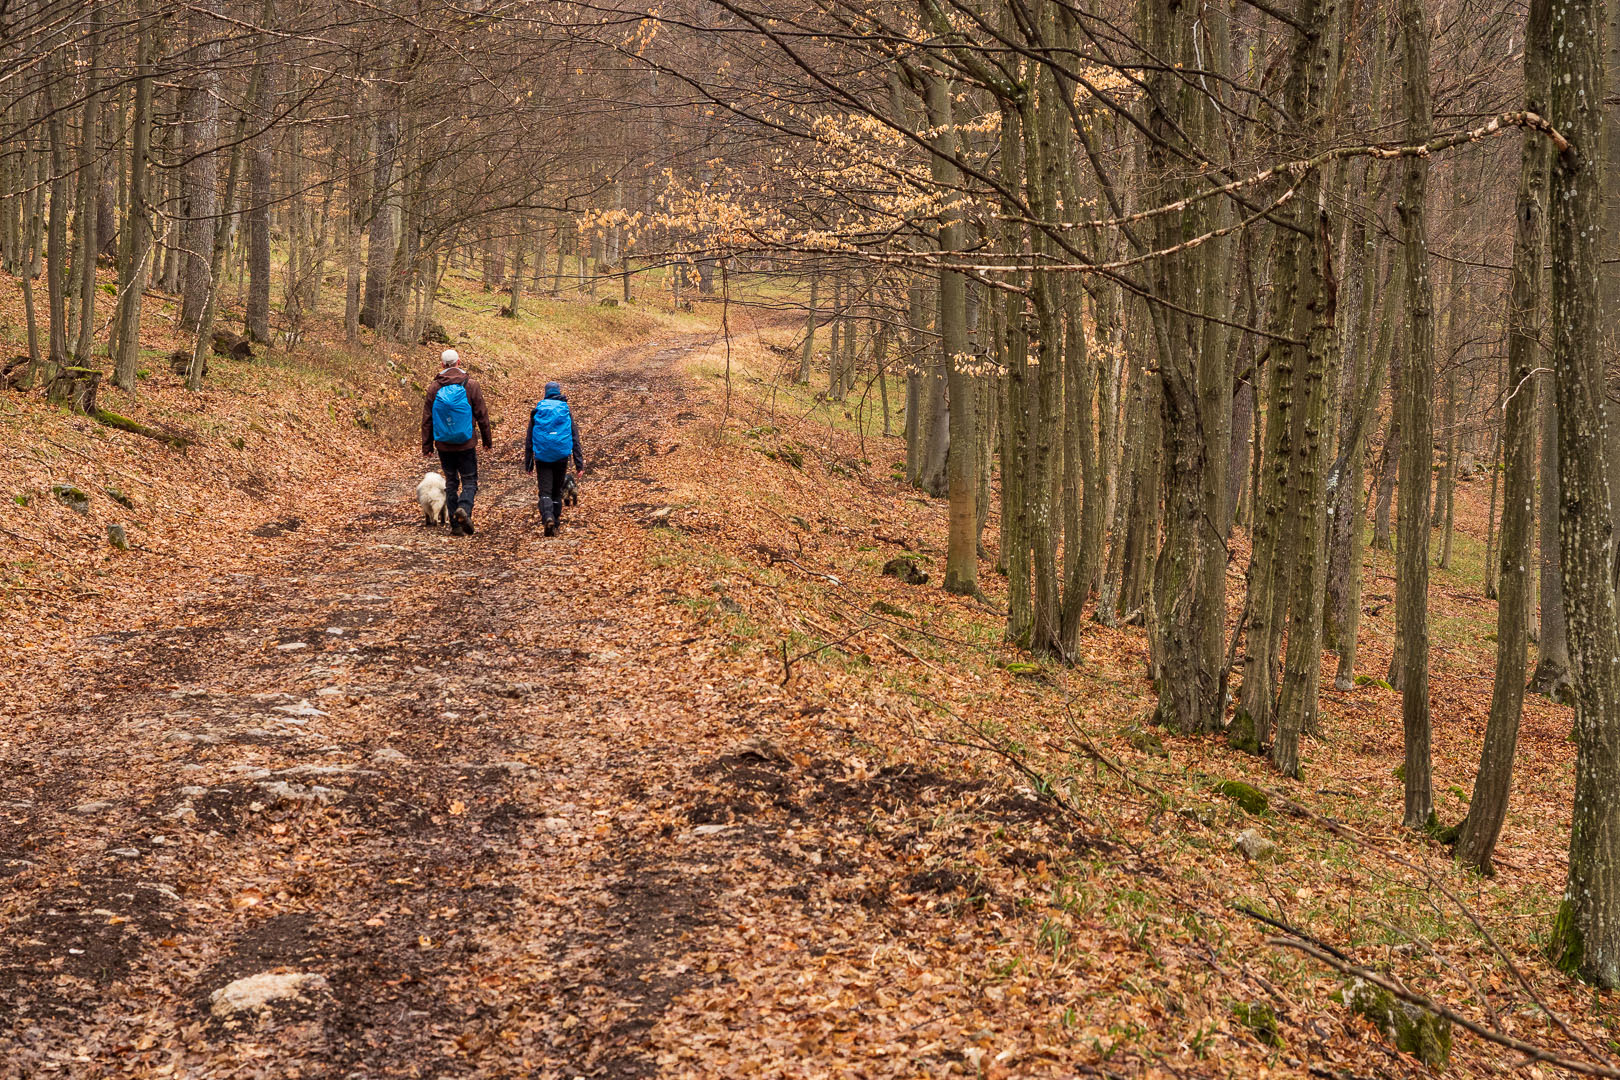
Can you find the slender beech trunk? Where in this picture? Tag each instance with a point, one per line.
(1378, 365)
(914, 429)
(962, 556)
(809, 350)
(135, 251)
(1491, 539)
(56, 253)
(258, 213)
(1586, 931)
(89, 181)
(1476, 840)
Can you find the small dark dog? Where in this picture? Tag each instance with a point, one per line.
(570, 492)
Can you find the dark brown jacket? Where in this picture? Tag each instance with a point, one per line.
(475, 398)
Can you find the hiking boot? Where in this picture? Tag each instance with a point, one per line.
(460, 524)
(551, 528)
(455, 527)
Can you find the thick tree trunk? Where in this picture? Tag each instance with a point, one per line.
(1552, 674)
(1586, 932)
(1185, 621)
(203, 342)
(384, 200)
(200, 105)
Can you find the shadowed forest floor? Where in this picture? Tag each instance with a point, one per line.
(696, 792)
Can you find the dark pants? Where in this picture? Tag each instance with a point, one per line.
(460, 478)
(550, 476)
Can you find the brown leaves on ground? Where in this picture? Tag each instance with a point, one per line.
(693, 789)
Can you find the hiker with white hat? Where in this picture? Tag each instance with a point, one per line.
(454, 404)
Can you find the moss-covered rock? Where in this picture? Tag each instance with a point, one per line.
(1198, 815)
(118, 496)
(893, 611)
(1250, 798)
(1024, 668)
(1256, 848)
(1261, 1019)
(1144, 740)
(1241, 735)
(1423, 1034)
(74, 498)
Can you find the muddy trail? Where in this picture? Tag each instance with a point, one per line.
(498, 804)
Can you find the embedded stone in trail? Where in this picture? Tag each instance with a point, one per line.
(257, 993)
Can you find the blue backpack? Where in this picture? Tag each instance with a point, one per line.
(452, 415)
(553, 438)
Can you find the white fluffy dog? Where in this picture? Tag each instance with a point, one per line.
(430, 493)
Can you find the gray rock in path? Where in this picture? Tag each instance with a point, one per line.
(387, 755)
(326, 770)
(257, 993)
(125, 853)
(281, 793)
(90, 808)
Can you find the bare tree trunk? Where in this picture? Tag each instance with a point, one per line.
(203, 341)
(258, 212)
(137, 243)
(962, 555)
(1553, 676)
(56, 253)
(381, 243)
(809, 334)
(1476, 840)
(89, 182)
(1586, 932)
(1417, 426)
(200, 105)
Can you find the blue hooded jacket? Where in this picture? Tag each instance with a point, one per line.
(552, 435)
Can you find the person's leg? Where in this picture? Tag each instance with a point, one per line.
(449, 464)
(559, 477)
(469, 480)
(548, 497)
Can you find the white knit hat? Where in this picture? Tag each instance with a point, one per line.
(449, 358)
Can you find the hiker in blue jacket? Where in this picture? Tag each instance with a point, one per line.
(455, 403)
(552, 438)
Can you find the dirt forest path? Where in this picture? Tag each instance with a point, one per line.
(497, 806)
(436, 773)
